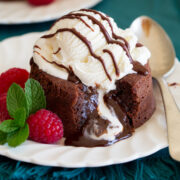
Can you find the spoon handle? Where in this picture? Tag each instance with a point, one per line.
(173, 120)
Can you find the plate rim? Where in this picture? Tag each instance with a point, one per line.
(87, 165)
(51, 18)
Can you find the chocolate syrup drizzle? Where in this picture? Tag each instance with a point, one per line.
(83, 39)
(115, 36)
(36, 46)
(105, 32)
(136, 66)
(107, 36)
(70, 17)
(57, 50)
(140, 69)
(59, 65)
(113, 59)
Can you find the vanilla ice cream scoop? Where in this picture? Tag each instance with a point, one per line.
(98, 52)
(93, 32)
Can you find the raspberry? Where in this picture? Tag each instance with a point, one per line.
(4, 115)
(40, 2)
(13, 75)
(45, 127)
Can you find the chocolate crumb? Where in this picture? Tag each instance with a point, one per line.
(97, 85)
(174, 84)
(139, 45)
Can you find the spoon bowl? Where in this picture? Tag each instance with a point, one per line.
(155, 38)
(162, 62)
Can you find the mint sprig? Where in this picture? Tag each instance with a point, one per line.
(34, 95)
(16, 99)
(21, 104)
(18, 137)
(8, 126)
(20, 117)
(3, 137)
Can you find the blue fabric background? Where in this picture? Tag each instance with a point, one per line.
(157, 166)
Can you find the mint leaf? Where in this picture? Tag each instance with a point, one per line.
(16, 99)
(3, 138)
(18, 137)
(36, 99)
(20, 117)
(8, 126)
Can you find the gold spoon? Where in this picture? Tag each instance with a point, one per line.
(162, 62)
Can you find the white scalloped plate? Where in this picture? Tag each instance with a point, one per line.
(151, 137)
(17, 12)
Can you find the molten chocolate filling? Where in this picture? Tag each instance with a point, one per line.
(90, 116)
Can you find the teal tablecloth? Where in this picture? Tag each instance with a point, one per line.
(157, 166)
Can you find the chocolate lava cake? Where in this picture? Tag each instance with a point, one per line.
(76, 103)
